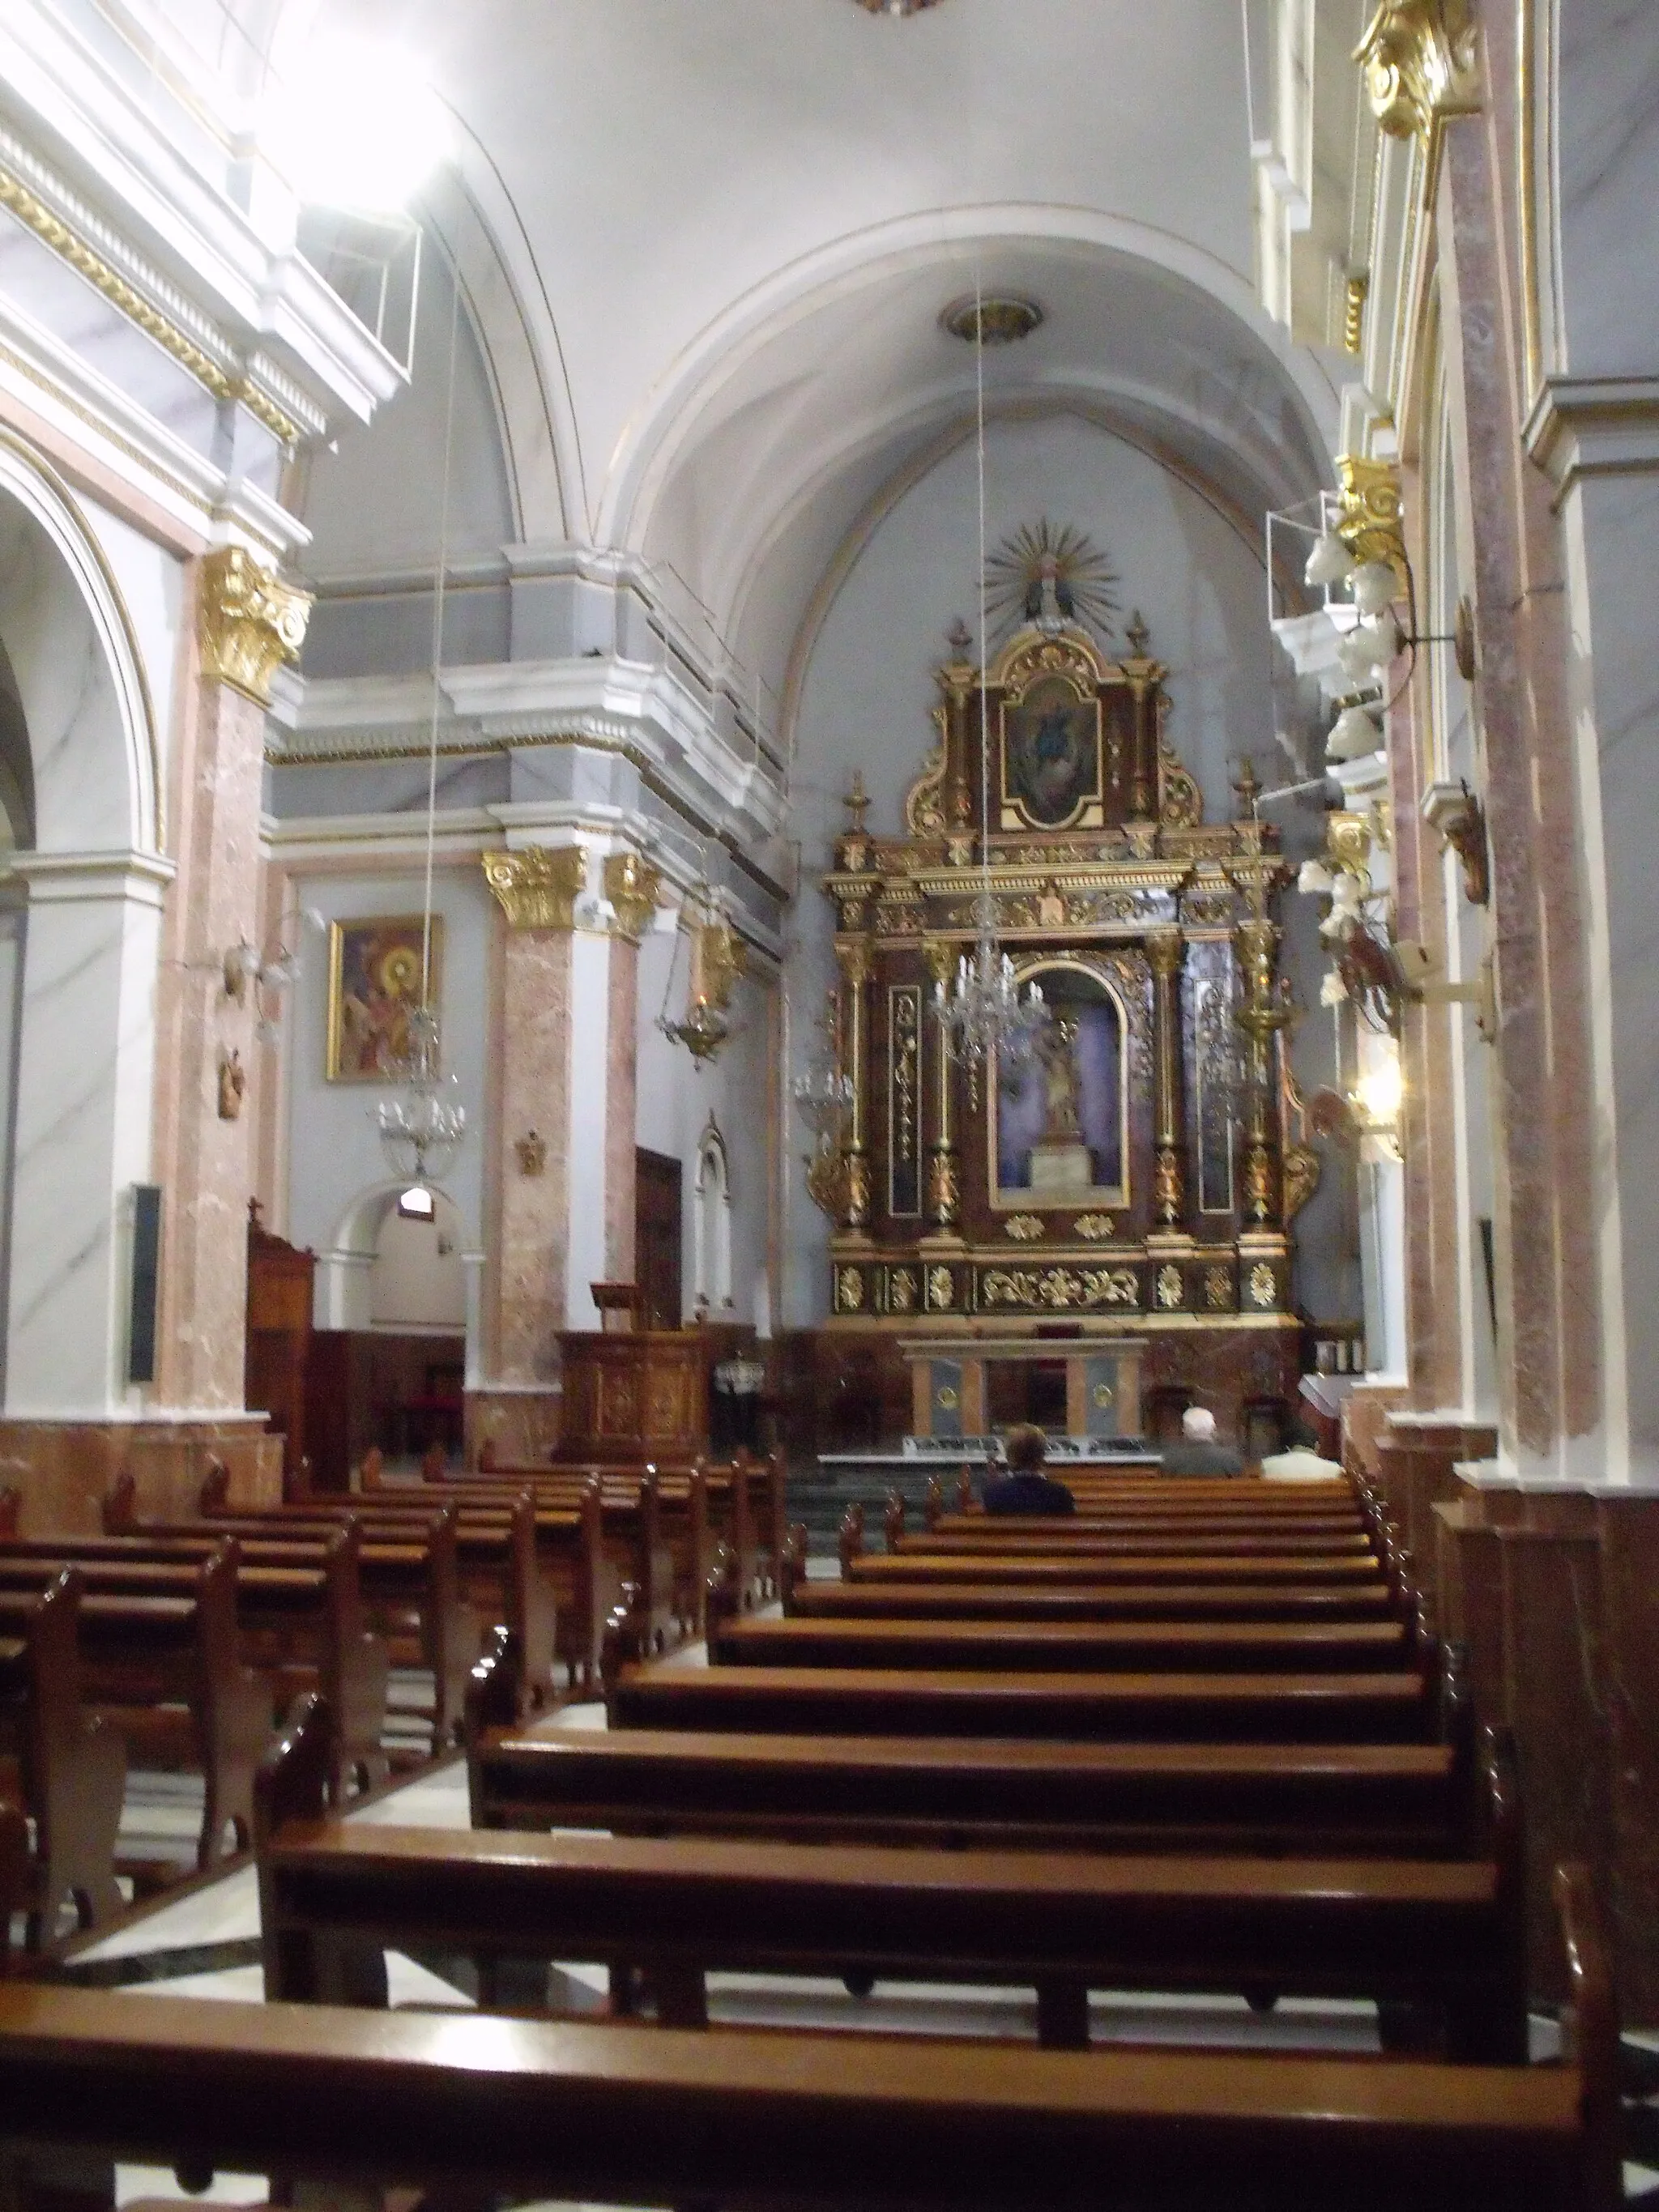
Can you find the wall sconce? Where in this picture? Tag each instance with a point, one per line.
(246, 968)
(1459, 820)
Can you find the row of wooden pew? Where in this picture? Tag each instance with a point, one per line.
(182, 1644)
(1197, 1739)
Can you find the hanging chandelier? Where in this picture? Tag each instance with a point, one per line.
(823, 1093)
(983, 1013)
(717, 960)
(421, 1123)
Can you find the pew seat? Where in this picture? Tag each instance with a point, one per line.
(1444, 1935)
(1147, 1646)
(1198, 1600)
(1353, 1707)
(629, 2115)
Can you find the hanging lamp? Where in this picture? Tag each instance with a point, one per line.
(421, 1123)
(982, 1012)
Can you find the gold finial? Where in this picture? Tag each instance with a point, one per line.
(857, 802)
(1139, 637)
(1248, 785)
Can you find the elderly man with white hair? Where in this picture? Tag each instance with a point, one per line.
(1198, 1452)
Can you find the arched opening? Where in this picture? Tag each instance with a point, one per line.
(712, 1224)
(82, 888)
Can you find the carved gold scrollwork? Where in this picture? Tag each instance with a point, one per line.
(1093, 1228)
(1062, 1289)
(924, 806)
(1263, 1287)
(941, 1289)
(1219, 1289)
(1418, 58)
(248, 621)
(538, 887)
(631, 884)
(826, 1181)
(1169, 1288)
(944, 1188)
(1369, 522)
(1024, 1228)
(902, 1290)
(1300, 1167)
(849, 1290)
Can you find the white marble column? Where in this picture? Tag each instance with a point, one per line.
(85, 1088)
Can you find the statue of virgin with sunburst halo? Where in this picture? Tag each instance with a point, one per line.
(1053, 580)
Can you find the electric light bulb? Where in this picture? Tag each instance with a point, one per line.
(1330, 561)
(1374, 587)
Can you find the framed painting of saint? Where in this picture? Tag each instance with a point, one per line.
(1051, 757)
(374, 986)
(1059, 1119)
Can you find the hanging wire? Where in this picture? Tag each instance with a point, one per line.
(438, 598)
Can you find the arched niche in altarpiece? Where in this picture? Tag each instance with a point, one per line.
(1139, 1183)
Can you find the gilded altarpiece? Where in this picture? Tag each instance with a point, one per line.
(1127, 1179)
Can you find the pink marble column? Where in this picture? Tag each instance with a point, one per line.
(203, 1158)
(1549, 1363)
(529, 1248)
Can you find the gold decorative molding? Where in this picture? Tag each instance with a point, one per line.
(1353, 314)
(108, 282)
(248, 621)
(631, 884)
(1370, 523)
(1024, 1228)
(538, 887)
(1418, 58)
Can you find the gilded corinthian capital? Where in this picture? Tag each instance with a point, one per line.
(631, 884)
(538, 887)
(248, 621)
(1419, 63)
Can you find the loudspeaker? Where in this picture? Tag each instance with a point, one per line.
(146, 1281)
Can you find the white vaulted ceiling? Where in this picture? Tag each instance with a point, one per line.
(706, 243)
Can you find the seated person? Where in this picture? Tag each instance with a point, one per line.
(1300, 1459)
(1025, 1488)
(1198, 1452)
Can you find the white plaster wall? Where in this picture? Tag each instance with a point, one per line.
(1196, 575)
(334, 1152)
(676, 1098)
(374, 505)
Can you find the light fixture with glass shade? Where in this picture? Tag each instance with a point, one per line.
(421, 1122)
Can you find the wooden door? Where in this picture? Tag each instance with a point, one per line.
(657, 1248)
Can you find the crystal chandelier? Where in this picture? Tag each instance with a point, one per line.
(822, 1093)
(422, 1125)
(983, 1013)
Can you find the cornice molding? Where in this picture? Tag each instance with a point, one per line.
(1590, 426)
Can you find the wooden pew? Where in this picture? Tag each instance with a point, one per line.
(15, 1874)
(1446, 1936)
(61, 1765)
(1157, 1508)
(409, 1570)
(1148, 1646)
(628, 2115)
(1035, 1563)
(160, 1659)
(498, 1578)
(299, 1612)
(1206, 1599)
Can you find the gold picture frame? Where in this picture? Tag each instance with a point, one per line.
(374, 965)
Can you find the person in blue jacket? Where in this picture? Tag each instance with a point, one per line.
(1024, 1488)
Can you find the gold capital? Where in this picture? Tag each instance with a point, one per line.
(537, 887)
(1370, 524)
(854, 954)
(248, 621)
(631, 884)
(1419, 63)
(1165, 948)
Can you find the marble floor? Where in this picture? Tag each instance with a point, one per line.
(205, 1942)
